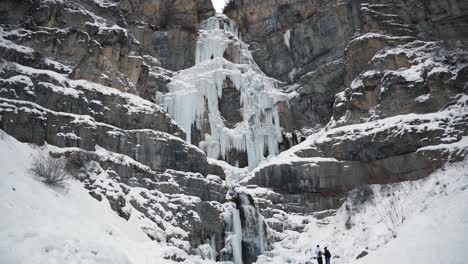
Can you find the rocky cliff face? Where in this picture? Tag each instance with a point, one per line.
(311, 98)
(322, 46)
(109, 42)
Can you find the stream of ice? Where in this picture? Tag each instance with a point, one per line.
(233, 242)
(194, 94)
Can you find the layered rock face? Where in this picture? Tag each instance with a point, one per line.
(316, 43)
(109, 42)
(382, 83)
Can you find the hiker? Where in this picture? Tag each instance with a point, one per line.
(318, 255)
(327, 256)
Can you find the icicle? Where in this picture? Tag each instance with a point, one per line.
(194, 95)
(287, 38)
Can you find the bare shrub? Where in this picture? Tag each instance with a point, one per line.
(394, 214)
(391, 213)
(50, 170)
(2, 134)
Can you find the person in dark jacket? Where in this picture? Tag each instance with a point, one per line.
(319, 257)
(327, 256)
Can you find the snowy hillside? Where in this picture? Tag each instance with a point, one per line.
(42, 224)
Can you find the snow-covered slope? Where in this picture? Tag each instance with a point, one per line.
(40, 224)
(435, 235)
(423, 221)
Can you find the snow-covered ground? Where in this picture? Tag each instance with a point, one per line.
(40, 224)
(423, 221)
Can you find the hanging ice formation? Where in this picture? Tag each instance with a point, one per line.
(194, 95)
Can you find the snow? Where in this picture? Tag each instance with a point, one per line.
(41, 224)
(233, 174)
(99, 22)
(400, 124)
(436, 235)
(423, 98)
(105, 3)
(7, 44)
(371, 35)
(458, 147)
(426, 58)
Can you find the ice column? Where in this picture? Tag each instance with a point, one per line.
(233, 235)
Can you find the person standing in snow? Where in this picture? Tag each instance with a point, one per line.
(318, 255)
(327, 256)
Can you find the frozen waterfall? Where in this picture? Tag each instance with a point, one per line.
(194, 96)
(246, 236)
(253, 231)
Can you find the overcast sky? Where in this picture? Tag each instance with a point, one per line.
(219, 4)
